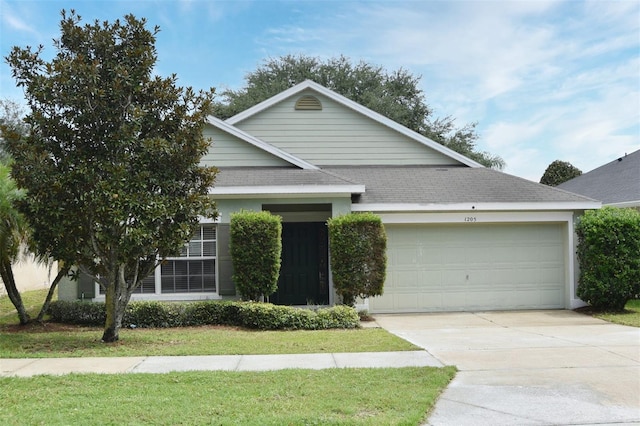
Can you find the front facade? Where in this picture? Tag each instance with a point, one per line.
(460, 236)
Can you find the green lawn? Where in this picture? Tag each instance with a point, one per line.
(630, 315)
(288, 397)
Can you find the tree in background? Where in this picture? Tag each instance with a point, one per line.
(112, 160)
(559, 172)
(395, 95)
(11, 119)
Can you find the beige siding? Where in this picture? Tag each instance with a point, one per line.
(229, 151)
(337, 135)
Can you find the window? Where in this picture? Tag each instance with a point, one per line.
(195, 270)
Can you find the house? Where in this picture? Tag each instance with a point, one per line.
(616, 183)
(460, 236)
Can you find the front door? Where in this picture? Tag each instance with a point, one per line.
(304, 270)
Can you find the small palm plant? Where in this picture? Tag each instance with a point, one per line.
(14, 234)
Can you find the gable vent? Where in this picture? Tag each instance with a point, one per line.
(309, 103)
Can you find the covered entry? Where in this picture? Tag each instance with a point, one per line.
(304, 271)
(474, 267)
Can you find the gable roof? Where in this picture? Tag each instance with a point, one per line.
(311, 85)
(616, 183)
(260, 144)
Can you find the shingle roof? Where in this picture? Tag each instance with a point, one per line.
(614, 182)
(276, 176)
(405, 184)
(425, 185)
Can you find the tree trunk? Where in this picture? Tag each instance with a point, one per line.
(45, 306)
(6, 273)
(117, 297)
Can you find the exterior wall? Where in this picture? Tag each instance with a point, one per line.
(30, 275)
(337, 135)
(229, 151)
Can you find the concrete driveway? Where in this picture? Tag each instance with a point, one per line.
(529, 367)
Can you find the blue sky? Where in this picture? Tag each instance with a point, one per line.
(544, 80)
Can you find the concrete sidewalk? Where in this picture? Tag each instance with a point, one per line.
(27, 367)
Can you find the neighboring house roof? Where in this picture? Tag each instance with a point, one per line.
(615, 183)
(308, 84)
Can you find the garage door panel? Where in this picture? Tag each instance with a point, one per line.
(477, 267)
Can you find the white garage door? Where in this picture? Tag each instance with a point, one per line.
(473, 267)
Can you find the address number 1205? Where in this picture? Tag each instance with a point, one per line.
(470, 219)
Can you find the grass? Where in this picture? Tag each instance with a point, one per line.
(85, 342)
(286, 397)
(630, 315)
(54, 340)
(32, 301)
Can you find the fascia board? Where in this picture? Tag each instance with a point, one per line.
(287, 190)
(625, 204)
(471, 207)
(225, 127)
(308, 84)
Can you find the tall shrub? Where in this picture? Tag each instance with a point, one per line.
(358, 246)
(256, 245)
(609, 257)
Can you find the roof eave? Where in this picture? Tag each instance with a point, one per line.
(471, 207)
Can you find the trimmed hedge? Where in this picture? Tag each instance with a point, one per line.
(255, 247)
(261, 316)
(609, 257)
(358, 244)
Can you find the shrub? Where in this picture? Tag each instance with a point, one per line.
(77, 312)
(255, 246)
(261, 316)
(358, 255)
(609, 257)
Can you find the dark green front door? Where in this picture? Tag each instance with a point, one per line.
(304, 269)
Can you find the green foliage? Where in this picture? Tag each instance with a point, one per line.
(358, 255)
(112, 159)
(11, 114)
(395, 95)
(559, 172)
(609, 257)
(261, 316)
(255, 247)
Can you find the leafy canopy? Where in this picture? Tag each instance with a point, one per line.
(559, 172)
(112, 159)
(395, 95)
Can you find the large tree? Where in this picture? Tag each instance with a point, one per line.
(395, 95)
(559, 172)
(112, 160)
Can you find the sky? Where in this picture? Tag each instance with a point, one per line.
(543, 80)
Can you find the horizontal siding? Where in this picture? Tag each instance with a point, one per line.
(337, 135)
(229, 151)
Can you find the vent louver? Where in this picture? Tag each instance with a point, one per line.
(308, 103)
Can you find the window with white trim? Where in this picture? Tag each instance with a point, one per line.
(193, 271)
